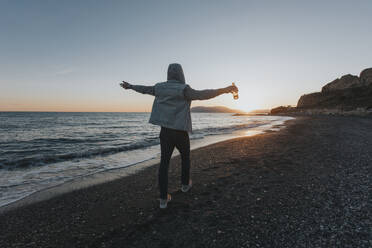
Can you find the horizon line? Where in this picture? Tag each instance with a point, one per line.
(55, 111)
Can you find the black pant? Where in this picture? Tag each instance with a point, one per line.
(170, 138)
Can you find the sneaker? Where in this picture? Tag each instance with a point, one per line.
(186, 188)
(164, 203)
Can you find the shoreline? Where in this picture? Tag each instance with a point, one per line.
(307, 185)
(98, 178)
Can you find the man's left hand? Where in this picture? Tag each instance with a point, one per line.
(125, 85)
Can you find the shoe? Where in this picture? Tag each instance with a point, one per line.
(186, 188)
(164, 203)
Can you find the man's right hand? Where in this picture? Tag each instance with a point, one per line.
(231, 88)
(125, 85)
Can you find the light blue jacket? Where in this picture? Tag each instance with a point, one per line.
(171, 107)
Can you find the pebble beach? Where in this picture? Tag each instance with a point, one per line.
(308, 185)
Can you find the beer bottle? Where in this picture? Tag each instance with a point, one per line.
(235, 93)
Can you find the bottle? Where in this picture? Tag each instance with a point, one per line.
(235, 93)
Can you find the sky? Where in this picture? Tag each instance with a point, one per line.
(71, 55)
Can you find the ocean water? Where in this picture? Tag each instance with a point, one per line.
(39, 150)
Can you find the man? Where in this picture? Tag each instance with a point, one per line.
(171, 111)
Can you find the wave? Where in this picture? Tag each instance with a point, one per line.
(48, 159)
(103, 151)
(227, 129)
(58, 141)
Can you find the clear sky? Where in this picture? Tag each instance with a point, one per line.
(71, 55)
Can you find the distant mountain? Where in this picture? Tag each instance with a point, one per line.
(214, 109)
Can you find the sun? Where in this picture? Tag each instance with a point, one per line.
(247, 104)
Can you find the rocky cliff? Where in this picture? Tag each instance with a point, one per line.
(346, 94)
(344, 99)
(350, 81)
(345, 82)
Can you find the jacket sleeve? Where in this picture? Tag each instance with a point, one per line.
(192, 94)
(144, 89)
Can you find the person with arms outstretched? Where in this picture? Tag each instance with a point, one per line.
(171, 111)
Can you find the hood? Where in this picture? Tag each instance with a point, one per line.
(175, 72)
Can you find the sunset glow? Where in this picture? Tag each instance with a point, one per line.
(274, 52)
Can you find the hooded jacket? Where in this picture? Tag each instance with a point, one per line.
(171, 107)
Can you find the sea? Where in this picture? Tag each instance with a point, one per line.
(40, 150)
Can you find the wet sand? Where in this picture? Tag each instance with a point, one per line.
(308, 185)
